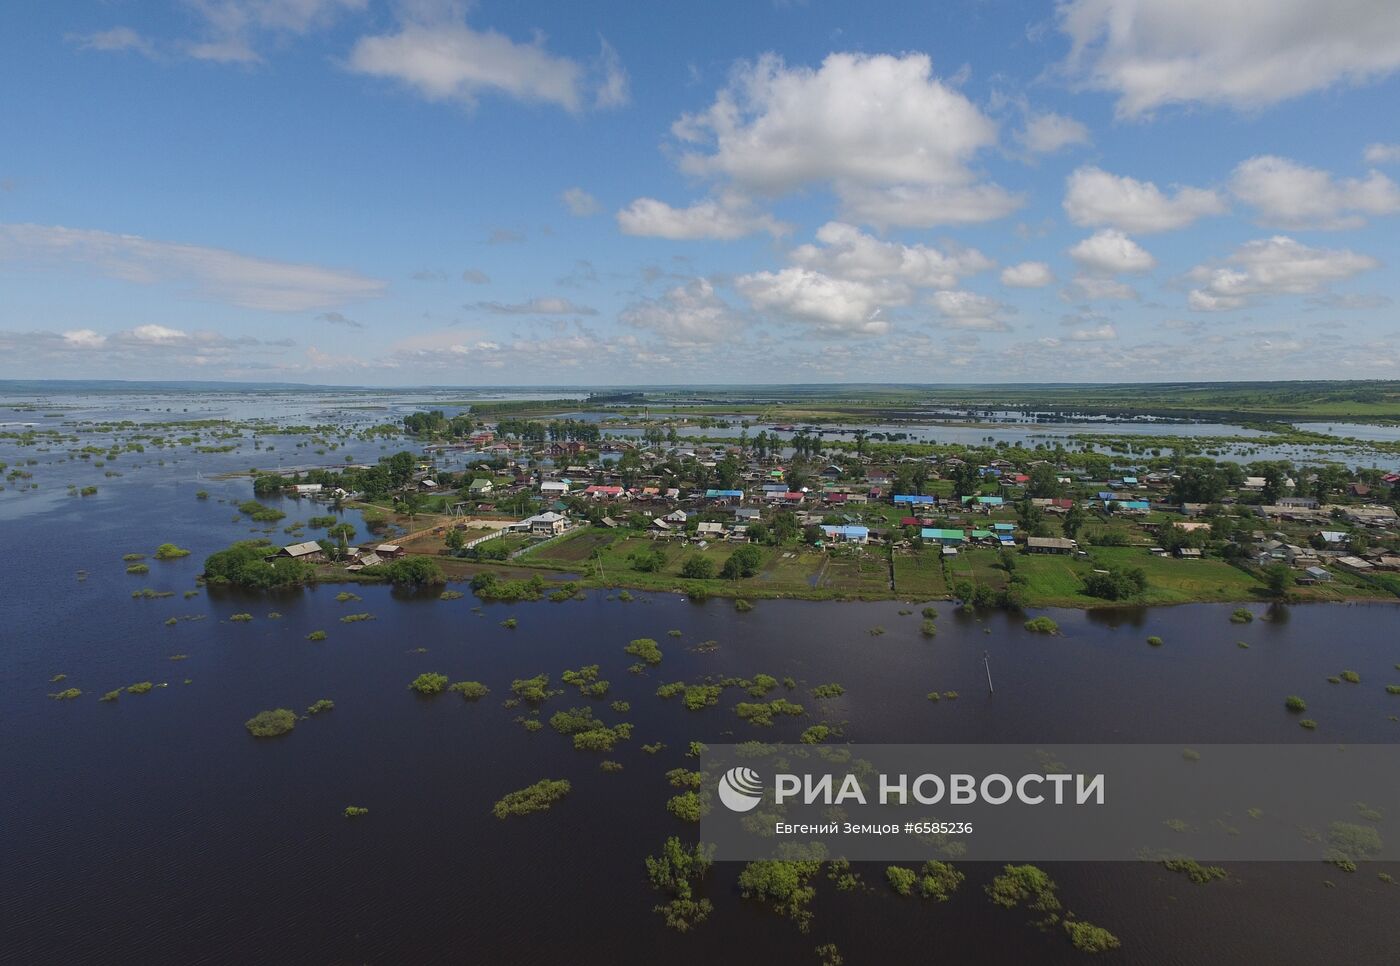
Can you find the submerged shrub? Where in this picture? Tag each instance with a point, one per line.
(270, 724)
(1090, 938)
(325, 704)
(901, 880)
(470, 690)
(355, 811)
(316, 636)
(1295, 703)
(538, 797)
(429, 683)
(1042, 625)
(646, 649)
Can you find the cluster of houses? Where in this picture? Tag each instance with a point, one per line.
(360, 557)
(558, 475)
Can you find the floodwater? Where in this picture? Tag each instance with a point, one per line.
(155, 830)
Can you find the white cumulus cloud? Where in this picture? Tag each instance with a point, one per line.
(1238, 53)
(891, 139)
(1027, 275)
(686, 316)
(1290, 195)
(1095, 198)
(831, 305)
(442, 58)
(721, 219)
(844, 251)
(84, 339)
(969, 310)
(1382, 154)
(1272, 266)
(1110, 252)
(1050, 132)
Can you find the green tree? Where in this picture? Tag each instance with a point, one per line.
(698, 568)
(1029, 517)
(743, 562)
(1074, 521)
(1278, 578)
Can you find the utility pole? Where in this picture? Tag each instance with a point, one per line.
(987, 663)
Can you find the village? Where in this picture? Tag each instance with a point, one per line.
(829, 521)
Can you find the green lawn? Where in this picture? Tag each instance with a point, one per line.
(576, 547)
(920, 576)
(1055, 580)
(866, 574)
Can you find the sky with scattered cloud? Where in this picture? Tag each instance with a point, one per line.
(442, 192)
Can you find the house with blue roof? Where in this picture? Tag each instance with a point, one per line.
(914, 498)
(847, 533)
(724, 496)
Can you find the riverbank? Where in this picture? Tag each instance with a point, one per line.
(602, 559)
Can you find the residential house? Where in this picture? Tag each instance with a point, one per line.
(847, 534)
(1050, 545)
(948, 538)
(1371, 516)
(544, 524)
(480, 487)
(308, 552)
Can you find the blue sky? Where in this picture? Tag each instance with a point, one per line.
(432, 192)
